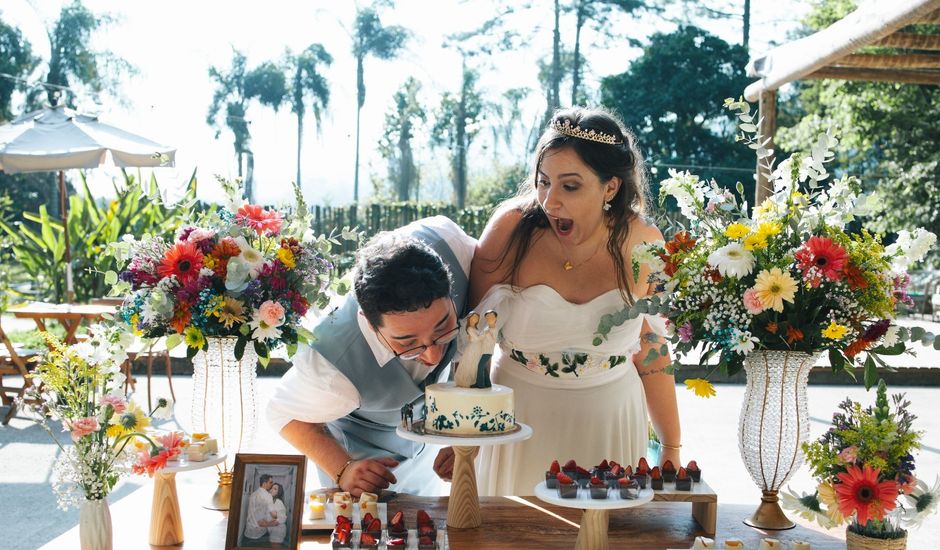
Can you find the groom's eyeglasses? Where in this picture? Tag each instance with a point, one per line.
(414, 353)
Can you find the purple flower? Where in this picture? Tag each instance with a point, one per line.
(685, 332)
(876, 330)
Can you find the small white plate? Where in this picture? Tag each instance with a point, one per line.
(329, 520)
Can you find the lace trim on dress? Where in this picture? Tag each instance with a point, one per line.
(567, 364)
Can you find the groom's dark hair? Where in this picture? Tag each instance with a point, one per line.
(264, 479)
(398, 273)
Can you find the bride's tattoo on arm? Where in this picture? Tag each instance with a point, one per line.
(653, 371)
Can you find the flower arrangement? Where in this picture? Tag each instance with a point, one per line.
(865, 471)
(240, 271)
(81, 386)
(787, 275)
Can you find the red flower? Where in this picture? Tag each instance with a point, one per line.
(854, 276)
(794, 335)
(264, 222)
(860, 492)
(183, 260)
(181, 318)
(856, 347)
(819, 257)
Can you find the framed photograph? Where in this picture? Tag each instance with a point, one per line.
(267, 501)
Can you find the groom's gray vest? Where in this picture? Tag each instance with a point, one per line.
(383, 389)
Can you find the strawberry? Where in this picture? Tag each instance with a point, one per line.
(683, 474)
(424, 518)
(367, 518)
(366, 538)
(425, 541)
(396, 541)
(613, 463)
(669, 466)
(582, 472)
(571, 465)
(398, 521)
(426, 531)
(374, 526)
(624, 481)
(554, 468)
(615, 469)
(564, 479)
(603, 465)
(342, 537)
(628, 471)
(693, 465)
(643, 465)
(655, 473)
(344, 522)
(596, 481)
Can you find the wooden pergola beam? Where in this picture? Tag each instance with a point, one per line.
(889, 61)
(876, 75)
(869, 23)
(910, 41)
(932, 18)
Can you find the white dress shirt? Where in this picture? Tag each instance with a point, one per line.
(259, 506)
(314, 391)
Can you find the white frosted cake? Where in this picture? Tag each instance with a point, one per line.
(468, 411)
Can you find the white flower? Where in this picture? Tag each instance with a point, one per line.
(92, 352)
(732, 260)
(891, 337)
(743, 341)
(164, 409)
(261, 330)
(237, 275)
(643, 253)
(687, 191)
(253, 258)
(921, 502)
(910, 248)
(807, 506)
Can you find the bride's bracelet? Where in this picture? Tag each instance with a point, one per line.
(670, 447)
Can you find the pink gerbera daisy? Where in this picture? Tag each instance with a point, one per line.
(264, 222)
(819, 258)
(860, 492)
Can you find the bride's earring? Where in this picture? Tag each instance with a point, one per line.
(606, 206)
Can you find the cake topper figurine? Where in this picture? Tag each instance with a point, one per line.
(473, 368)
(407, 416)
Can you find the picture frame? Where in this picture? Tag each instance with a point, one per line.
(256, 519)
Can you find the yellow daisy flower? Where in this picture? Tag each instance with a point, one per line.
(834, 331)
(233, 311)
(737, 230)
(193, 337)
(701, 387)
(209, 261)
(133, 419)
(773, 288)
(286, 257)
(769, 229)
(765, 210)
(755, 241)
(827, 495)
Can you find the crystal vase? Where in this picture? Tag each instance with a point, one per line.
(94, 525)
(774, 423)
(224, 403)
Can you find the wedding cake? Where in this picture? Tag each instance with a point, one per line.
(471, 405)
(452, 409)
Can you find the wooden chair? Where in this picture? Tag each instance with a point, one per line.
(14, 361)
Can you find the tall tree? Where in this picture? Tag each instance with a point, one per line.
(401, 121)
(456, 124)
(308, 82)
(235, 90)
(672, 98)
(720, 9)
(73, 63)
(371, 39)
(16, 61)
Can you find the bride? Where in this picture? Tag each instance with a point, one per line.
(551, 262)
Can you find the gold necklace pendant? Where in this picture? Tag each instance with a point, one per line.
(568, 266)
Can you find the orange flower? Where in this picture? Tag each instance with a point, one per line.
(772, 327)
(680, 243)
(264, 222)
(860, 492)
(794, 335)
(854, 276)
(181, 319)
(226, 248)
(183, 260)
(856, 347)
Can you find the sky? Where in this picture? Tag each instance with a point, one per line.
(173, 43)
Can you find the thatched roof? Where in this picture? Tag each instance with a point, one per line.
(834, 51)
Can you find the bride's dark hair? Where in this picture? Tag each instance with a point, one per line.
(607, 160)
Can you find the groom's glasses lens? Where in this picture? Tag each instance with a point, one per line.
(414, 353)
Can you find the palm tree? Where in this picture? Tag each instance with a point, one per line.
(308, 81)
(371, 38)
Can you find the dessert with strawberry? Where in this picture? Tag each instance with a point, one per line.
(656, 479)
(615, 474)
(369, 540)
(694, 471)
(570, 469)
(553, 471)
(427, 533)
(629, 488)
(584, 477)
(669, 471)
(567, 488)
(372, 525)
(396, 527)
(683, 480)
(642, 475)
(598, 488)
(342, 533)
(601, 469)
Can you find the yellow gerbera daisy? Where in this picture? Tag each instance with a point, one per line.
(133, 419)
(737, 230)
(773, 288)
(834, 331)
(827, 495)
(287, 257)
(755, 241)
(701, 387)
(769, 229)
(233, 311)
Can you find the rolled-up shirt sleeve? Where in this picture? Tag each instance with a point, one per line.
(313, 390)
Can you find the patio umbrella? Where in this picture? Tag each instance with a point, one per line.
(57, 139)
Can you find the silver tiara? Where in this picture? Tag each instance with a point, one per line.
(566, 128)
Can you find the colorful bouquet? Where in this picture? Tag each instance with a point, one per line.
(787, 275)
(240, 271)
(865, 470)
(81, 387)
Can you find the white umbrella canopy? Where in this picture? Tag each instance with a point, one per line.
(57, 138)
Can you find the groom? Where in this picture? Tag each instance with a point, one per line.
(341, 401)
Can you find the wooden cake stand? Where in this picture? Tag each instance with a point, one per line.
(594, 522)
(463, 507)
(166, 527)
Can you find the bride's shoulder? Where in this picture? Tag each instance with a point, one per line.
(641, 231)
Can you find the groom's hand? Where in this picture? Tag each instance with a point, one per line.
(444, 463)
(369, 475)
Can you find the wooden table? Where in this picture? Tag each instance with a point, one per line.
(508, 523)
(69, 316)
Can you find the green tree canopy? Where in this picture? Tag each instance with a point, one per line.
(16, 61)
(308, 82)
(672, 98)
(401, 120)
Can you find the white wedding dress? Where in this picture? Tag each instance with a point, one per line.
(582, 401)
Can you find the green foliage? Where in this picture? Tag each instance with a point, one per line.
(493, 188)
(457, 123)
(671, 97)
(41, 251)
(406, 114)
(308, 82)
(16, 60)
